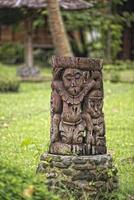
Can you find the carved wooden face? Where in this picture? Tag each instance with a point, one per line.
(96, 107)
(73, 81)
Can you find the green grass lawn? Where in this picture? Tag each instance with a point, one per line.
(119, 115)
(25, 124)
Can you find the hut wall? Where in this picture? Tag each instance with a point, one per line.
(41, 36)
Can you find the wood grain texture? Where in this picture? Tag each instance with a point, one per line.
(77, 120)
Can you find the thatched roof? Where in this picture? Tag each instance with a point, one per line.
(65, 4)
(74, 4)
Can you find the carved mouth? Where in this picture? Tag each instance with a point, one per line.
(74, 90)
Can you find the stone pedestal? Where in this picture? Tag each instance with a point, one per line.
(28, 72)
(93, 176)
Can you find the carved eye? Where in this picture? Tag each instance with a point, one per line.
(68, 78)
(77, 76)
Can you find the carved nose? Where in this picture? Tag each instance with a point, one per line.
(73, 83)
(95, 108)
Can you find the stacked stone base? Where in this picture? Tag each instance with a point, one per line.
(93, 176)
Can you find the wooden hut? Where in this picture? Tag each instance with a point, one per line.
(40, 37)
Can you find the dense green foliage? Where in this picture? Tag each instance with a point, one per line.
(11, 53)
(120, 65)
(120, 72)
(25, 128)
(9, 84)
(8, 80)
(104, 24)
(20, 186)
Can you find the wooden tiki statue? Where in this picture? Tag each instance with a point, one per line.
(77, 120)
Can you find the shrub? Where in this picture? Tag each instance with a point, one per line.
(114, 77)
(42, 57)
(11, 53)
(17, 185)
(120, 66)
(9, 85)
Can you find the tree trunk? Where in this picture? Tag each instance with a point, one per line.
(28, 45)
(109, 37)
(58, 32)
